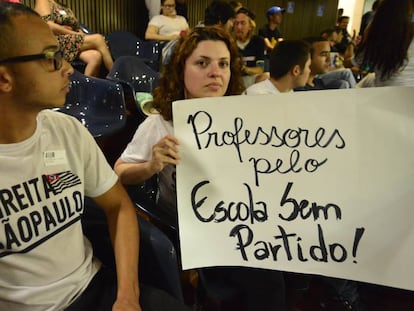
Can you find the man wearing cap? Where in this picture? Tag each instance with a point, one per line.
(270, 32)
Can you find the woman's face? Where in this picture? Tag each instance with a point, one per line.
(207, 70)
(168, 7)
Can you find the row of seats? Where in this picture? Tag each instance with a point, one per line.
(100, 103)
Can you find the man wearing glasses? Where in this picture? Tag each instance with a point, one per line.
(49, 162)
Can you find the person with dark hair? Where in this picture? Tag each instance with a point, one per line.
(168, 25)
(387, 47)
(346, 40)
(49, 163)
(181, 8)
(321, 76)
(289, 68)
(367, 17)
(271, 32)
(219, 13)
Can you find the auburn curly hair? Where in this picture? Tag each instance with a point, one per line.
(171, 85)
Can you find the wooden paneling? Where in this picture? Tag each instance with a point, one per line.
(304, 21)
(104, 16)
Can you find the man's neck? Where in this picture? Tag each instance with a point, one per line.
(310, 80)
(283, 85)
(15, 126)
(243, 40)
(272, 26)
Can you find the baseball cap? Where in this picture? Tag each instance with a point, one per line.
(274, 10)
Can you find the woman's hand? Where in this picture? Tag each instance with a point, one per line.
(163, 153)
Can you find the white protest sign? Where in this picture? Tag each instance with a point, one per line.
(317, 182)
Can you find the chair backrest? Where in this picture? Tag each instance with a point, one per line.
(98, 104)
(158, 260)
(158, 265)
(125, 43)
(135, 75)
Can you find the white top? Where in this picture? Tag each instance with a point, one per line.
(169, 26)
(139, 150)
(262, 87)
(45, 260)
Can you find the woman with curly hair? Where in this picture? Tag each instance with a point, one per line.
(387, 47)
(205, 63)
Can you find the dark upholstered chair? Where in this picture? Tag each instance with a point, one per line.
(97, 103)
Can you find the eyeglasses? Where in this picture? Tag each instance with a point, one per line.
(56, 57)
(169, 6)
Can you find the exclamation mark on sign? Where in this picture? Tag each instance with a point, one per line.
(358, 235)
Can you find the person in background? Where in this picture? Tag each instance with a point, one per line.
(289, 68)
(346, 39)
(49, 163)
(218, 13)
(168, 25)
(204, 63)
(321, 76)
(89, 48)
(181, 8)
(334, 36)
(271, 32)
(251, 47)
(367, 17)
(387, 48)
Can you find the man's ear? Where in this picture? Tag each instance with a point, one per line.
(5, 79)
(296, 70)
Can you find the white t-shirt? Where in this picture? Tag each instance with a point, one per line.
(45, 260)
(168, 26)
(262, 87)
(139, 150)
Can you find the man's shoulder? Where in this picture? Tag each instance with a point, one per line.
(262, 87)
(52, 114)
(60, 121)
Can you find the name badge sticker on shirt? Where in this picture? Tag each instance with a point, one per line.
(54, 157)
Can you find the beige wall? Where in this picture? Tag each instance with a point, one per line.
(354, 9)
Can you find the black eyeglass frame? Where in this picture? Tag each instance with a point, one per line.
(57, 61)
